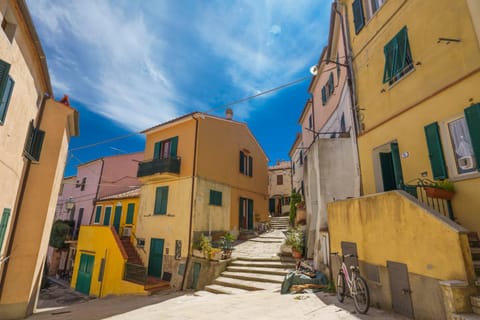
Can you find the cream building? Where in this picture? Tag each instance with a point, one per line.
(279, 188)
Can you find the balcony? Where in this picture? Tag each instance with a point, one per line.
(148, 168)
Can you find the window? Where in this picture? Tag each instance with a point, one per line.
(215, 198)
(301, 157)
(33, 146)
(130, 213)
(310, 122)
(84, 182)
(8, 26)
(246, 164)
(358, 19)
(398, 58)
(98, 213)
(6, 88)
(3, 225)
(460, 146)
(107, 215)
(285, 201)
(328, 89)
(279, 179)
(166, 149)
(161, 201)
(372, 7)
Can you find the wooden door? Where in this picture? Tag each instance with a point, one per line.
(84, 276)
(155, 260)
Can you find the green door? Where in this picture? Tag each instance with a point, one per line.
(155, 259)
(84, 276)
(271, 205)
(250, 214)
(116, 218)
(196, 274)
(106, 217)
(388, 176)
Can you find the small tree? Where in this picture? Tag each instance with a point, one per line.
(295, 198)
(60, 232)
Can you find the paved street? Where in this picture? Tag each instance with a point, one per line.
(267, 304)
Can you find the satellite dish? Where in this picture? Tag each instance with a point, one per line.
(314, 70)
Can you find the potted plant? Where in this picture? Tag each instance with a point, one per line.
(294, 239)
(227, 245)
(443, 189)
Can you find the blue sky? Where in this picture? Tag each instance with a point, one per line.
(129, 65)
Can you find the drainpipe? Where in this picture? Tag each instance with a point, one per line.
(96, 194)
(187, 263)
(351, 85)
(20, 195)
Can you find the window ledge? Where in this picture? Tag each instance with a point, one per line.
(403, 77)
(465, 176)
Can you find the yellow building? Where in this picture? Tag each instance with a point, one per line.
(104, 249)
(203, 174)
(417, 73)
(35, 132)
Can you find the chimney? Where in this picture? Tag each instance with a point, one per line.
(229, 114)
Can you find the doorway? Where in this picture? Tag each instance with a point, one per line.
(400, 288)
(155, 258)
(84, 276)
(388, 167)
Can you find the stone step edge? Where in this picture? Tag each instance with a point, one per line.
(219, 289)
(252, 277)
(272, 271)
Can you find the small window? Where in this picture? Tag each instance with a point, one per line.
(462, 147)
(166, 149)
(246, 164)
(328, 89)
(372, 7)
(398, 58)
(215, 198)
(6, 88)
(3, 225)
(84, 182)
(285, 201)
(140, 243)
(33, 146)
(279, 179)
(358, 19)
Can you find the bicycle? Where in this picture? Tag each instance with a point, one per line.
(357, 286)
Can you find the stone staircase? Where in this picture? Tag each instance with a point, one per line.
(251, 274)
(280, 223)
(132, 253)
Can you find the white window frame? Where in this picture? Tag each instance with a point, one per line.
(369, 10)
(449, 152)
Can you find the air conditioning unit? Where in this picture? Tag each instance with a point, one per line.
(127, 232)
(465, 163)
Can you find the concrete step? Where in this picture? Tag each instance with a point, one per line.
(244, 284)
(266, 240)
(475, 250)
(263, 264)
(218, 289)
(273, 271)
(272, 258)
(203, 293)
(250, 276)
(465, 316)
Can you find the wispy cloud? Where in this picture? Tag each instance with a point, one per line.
(140, 65)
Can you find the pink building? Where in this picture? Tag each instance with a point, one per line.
(94, 180)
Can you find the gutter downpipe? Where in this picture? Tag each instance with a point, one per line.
(187, 263)
(19, 200)
(351, 85)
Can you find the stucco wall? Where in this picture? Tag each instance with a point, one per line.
(100, 242)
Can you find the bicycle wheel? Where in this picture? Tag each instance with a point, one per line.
(361, 296)
(340, 286)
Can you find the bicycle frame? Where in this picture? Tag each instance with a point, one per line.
(347, 277)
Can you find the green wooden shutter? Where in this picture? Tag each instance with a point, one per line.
(4, 70)
(435, 151)
(330, 82)
(98, 213)
(250, 166)
(130, 212)
(3, 225)
(37, 142)
(173, 147)
(397, 165)
(402, 46)
(107, 215)
(358, 18)
(5, 99)
(156, 150)
(389, 51)
(472, 117)
(161, 200)
(242, 164)
(324, 96)
(250, 213)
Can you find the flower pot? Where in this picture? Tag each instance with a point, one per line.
(296, 254)
(438, 193)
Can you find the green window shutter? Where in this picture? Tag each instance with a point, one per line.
(173, 147)
(107, 215)
(250, 166)
(324, 95)
(4, 70)
(5, 99)
(338, 66)
(358, 18)
(215, 198)
(98, 213)
(330, 82)
(156, 150)
(161, 200)
(3, 225)
(389, 51)
(301, 157)
(130, 213)
(435, 151)
(472, 117)
(37, 142)
(402, 47)
(242, 164)
(397, 165)
(250, 213)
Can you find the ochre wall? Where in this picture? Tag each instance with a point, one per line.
(124, 203)
(100, 242)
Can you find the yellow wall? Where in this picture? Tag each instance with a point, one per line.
(124, 203)
(444, 82)
(390, 226)
(100, 242)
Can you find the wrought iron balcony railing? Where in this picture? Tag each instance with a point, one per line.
(169, 165)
